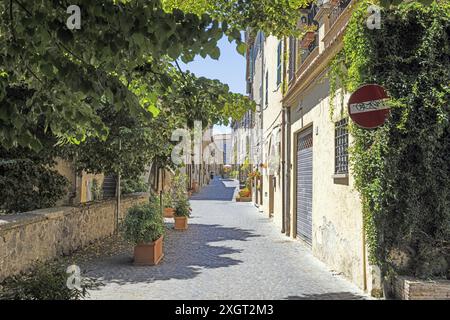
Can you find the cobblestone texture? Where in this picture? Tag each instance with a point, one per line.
(216, 190)
(230, 251)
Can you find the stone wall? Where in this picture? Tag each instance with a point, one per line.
(406, 288)
(42, 235)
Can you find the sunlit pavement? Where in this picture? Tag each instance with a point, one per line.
(230, 251)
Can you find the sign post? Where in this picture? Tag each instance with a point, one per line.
(368, 106)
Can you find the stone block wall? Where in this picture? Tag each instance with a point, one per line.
(42, 235)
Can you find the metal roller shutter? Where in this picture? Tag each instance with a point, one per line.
(304, 185)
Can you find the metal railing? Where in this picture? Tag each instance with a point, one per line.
(295, 49)
(306, 52)
(337, 10)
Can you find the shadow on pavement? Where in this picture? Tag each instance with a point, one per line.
(185, 255)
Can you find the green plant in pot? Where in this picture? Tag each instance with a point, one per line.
(144, 226)
(168, 204)
(182, 213)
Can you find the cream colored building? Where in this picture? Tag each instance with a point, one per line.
(302, 151)
(325, 210)
(265, 86)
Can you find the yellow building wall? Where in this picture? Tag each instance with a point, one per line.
(337, 237)
(86, 183)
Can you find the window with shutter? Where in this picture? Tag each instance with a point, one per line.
(279, 63)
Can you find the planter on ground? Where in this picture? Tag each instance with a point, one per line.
(409, 288)
(148, 254)
(168, 204)
(181, 223)
(182, 212)
(195, 187)
(245, 195)
(144, 226)
(169, 212)
(245, 199)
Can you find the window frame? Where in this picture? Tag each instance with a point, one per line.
(279, 62)
(341, 145)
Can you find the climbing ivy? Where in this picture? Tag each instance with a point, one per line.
(402, 170)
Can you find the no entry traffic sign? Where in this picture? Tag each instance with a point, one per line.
(368, 106)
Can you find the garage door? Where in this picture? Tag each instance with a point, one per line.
(304, 185)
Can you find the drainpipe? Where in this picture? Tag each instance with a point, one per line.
(283, 164)
(262, 103)
(287, 195)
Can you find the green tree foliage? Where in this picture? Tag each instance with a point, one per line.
(62, 77)
(129, 146)
(133, 142)
(134, 185)
(275, 17)
(402, 170)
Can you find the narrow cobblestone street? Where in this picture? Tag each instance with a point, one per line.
(230, 251)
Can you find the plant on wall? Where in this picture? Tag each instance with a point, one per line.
(26, 185)
(401, 169)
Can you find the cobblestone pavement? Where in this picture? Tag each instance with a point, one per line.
(230, 251)
(216, 190)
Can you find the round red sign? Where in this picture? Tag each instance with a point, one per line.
(368, 106)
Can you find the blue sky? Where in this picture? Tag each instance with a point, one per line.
(229, 69)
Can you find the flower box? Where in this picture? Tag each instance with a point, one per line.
(148, 254)
(308, 39)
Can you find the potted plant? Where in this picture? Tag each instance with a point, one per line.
(182, 213)
(244, 195)
(309, 36)
(144, 226)
(168, 205)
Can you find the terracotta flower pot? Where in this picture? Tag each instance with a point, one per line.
(169, 212)
(148, 254)
(308, 39)
(181, 223)
(195, 187)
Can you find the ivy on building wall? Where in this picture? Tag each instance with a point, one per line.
(402, 170)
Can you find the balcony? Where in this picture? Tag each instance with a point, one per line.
(300, 49)
(338, 7)
(338, 19)
(308, 63)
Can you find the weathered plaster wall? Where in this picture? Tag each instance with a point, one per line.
(45, 234)
(336, 210)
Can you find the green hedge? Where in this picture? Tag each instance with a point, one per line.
(28, 185)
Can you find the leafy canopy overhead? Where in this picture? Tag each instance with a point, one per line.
(59, 78)
(277, 17)
(135, 141)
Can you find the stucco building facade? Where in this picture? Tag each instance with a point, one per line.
(307, 184)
